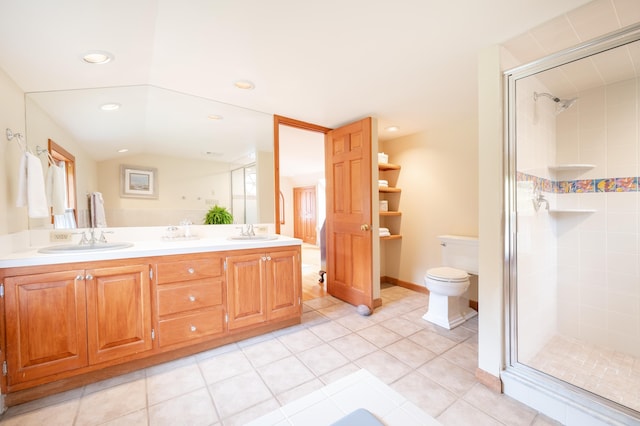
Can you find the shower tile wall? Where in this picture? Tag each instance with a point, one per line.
(537, 300)
(598, 253)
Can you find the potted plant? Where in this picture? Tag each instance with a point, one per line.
(218, 216)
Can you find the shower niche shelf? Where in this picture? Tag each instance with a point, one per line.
(571, 167)
(570, 211)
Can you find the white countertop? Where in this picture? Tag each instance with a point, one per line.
(144, 248)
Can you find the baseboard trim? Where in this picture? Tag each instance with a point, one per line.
(489, 380)
(419, 288)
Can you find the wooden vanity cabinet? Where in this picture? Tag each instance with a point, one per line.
(45, 324)
(190, 296)
(67, 320)
(263, 286)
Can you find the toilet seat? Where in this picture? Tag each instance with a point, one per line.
(446, 274)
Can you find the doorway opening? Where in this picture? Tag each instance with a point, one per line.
(301, 190)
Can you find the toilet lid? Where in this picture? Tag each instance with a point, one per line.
(448, 274)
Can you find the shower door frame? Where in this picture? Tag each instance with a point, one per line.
(549, 387)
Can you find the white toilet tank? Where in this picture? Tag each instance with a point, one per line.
(460, 252)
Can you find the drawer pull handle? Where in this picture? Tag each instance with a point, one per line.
(193, 328)
(191, 270)
(192, 298)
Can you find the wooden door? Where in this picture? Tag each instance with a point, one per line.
(285, 283)
(348, 224)
(118, 312)
(246, 290)
(46, 327)
(304, 213)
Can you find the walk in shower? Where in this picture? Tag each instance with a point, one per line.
(573, 226)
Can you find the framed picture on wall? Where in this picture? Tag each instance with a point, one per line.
(138, 182)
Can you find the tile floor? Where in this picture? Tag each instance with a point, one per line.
(429, 366)
(603, 371)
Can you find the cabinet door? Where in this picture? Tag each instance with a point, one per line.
(118, 312)
(246, 290)
(284, 286)
(45, 324)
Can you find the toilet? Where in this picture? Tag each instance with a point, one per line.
(448, 284)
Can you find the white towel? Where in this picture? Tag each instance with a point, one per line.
(99, 219)
(31, 191)
(56, 190)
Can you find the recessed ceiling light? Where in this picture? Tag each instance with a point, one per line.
(97, 57)
(393, 128)
(110, 107)
(244, 84)
(215, 117)
(123, 150)
(212, 154)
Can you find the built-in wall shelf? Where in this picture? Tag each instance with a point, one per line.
(391, 237)
(390, 213)
(571, 167)
(388, 189)
(571, 211)
(388, 166)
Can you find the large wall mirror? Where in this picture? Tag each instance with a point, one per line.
(192, 144)
(574, 217)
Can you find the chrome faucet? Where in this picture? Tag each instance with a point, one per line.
(248, 232)
(84, 240)
(538, 198)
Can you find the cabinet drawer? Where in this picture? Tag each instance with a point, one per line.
(191, 327)
(182, 270)
(189, 296)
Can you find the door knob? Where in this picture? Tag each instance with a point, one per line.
(364, 227)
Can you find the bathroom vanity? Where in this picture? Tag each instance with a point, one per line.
(68, 320)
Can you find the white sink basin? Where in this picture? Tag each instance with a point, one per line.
(253, 237)
(84, 248)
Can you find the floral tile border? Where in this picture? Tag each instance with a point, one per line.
(621, 184)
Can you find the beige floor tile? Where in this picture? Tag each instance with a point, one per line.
(410, 353)
(224, 366)
(313, 318)
(137, 418)
(542, 420)
(194, 409)
(266, 352)
(463, 355)
(500, 406)
(285, 374)
(461, 413)
(58, 414)
(320, 302)
(182, 379)
(112, 403)
(299, 391)
(383, 366)
(337, 310)
(329, 331)
(454, 378)
(426, 394)
(300, 340)
(402, 326)
(355, 322)
(239, 393)
(322, 359)
(44, 402)
(114, 381)
(353, 346)
(432, 341)
(339, 373)
(379, 335)
(251, 413)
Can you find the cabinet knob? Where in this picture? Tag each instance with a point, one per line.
(88, 277)
(193, 328)
(192, 298)
(264, 258)
(191, 270)
(364, 227)
(268, 257)
(79, 278)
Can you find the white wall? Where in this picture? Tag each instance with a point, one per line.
(439, 183)
(13, 219)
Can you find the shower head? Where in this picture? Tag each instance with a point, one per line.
(561, 104)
